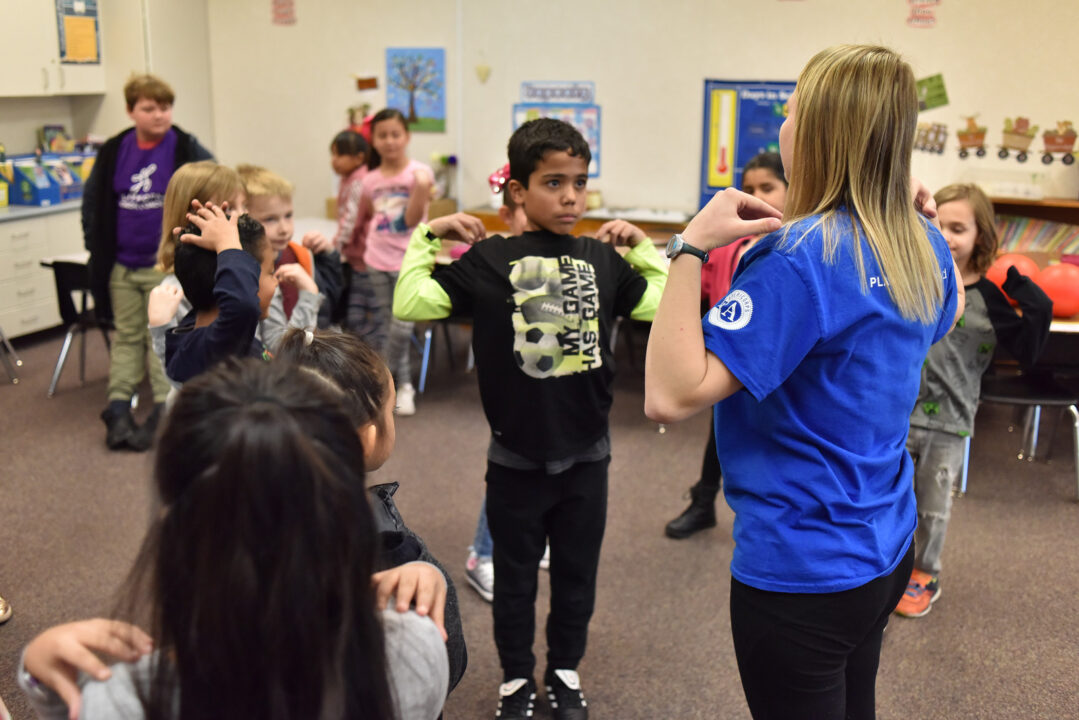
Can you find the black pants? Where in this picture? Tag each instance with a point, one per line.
(811, 656)
(525, 510)
(711, 473)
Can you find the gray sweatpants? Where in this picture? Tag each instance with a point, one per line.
(938, 461)
(393, 335)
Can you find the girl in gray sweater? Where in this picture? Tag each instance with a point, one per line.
(255, 576)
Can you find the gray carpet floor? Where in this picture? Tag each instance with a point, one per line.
(1003, 642)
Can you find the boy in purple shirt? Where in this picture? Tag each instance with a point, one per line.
(121, 222)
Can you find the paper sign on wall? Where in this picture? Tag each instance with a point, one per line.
(561, 92)
(931, 93)
(77, 29)
(586, 118)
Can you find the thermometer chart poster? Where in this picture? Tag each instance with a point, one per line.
(741, 120)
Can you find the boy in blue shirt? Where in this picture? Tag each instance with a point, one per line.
(543, 304)
(225, 267)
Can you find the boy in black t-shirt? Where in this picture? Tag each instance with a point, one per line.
(543, 304)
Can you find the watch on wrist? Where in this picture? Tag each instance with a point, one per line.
(677, 245)
(432, 237)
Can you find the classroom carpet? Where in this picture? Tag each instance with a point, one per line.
(1000, 643)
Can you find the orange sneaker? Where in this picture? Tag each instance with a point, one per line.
(922, 591)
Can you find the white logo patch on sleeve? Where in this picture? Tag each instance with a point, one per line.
(733, 311)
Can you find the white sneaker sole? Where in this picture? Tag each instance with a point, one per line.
(482, 591)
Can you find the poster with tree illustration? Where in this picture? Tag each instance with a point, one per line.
(416, 85)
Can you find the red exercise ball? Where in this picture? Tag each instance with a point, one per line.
(1061, 284)
(998, 271)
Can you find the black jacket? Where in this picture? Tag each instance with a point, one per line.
(99, 202)
(399, 545)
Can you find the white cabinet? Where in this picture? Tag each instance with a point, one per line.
(30, 54)
(27, 290)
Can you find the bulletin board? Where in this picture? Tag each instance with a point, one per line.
(586, 118)
(741, 120)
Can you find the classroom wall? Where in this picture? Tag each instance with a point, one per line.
(177, 37)
(280, 92)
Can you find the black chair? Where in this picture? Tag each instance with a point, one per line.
(1034, 391)
(72, 277)
(8, 358)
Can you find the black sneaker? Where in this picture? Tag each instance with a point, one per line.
(120, 426)
(516, 699)
(564, 694)
(143, 437)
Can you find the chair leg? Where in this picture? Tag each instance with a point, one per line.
(426, 361)
(1034, 432)
(1075, 430)
(8, 367)
(82, 356)
(966, 466)
(10, 350)
(62, 359)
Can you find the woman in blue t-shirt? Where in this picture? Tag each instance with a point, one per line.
(824, 331)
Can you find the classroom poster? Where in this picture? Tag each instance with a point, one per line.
(416, 85)
(78, 32)
(741, 120)
(586, 118)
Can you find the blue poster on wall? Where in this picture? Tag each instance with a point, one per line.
(741, 120)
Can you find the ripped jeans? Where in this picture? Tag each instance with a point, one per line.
(938, 461)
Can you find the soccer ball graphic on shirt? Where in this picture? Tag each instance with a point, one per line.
(537, 350)
(539, 316)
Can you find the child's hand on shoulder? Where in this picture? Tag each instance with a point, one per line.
(219, 231)
(459, 226)
(163, 302)
(55, 657)
(415, 583)
(924, 202)
(293, 274)
(316, 242)
(620, 232)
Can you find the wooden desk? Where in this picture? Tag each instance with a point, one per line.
(660, 231)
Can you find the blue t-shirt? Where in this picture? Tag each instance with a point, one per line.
(814, 449)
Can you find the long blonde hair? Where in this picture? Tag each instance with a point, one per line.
(203, 181)
(855, 118)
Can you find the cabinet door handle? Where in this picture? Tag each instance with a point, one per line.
(25, 293)
(24, 264)
(63, 80)
(20, 235)
(29, 320)
(44, 78)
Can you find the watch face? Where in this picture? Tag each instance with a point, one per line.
(674, 246)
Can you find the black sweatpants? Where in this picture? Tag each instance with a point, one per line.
(711, 472)
(813, 656)
(525, 510)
